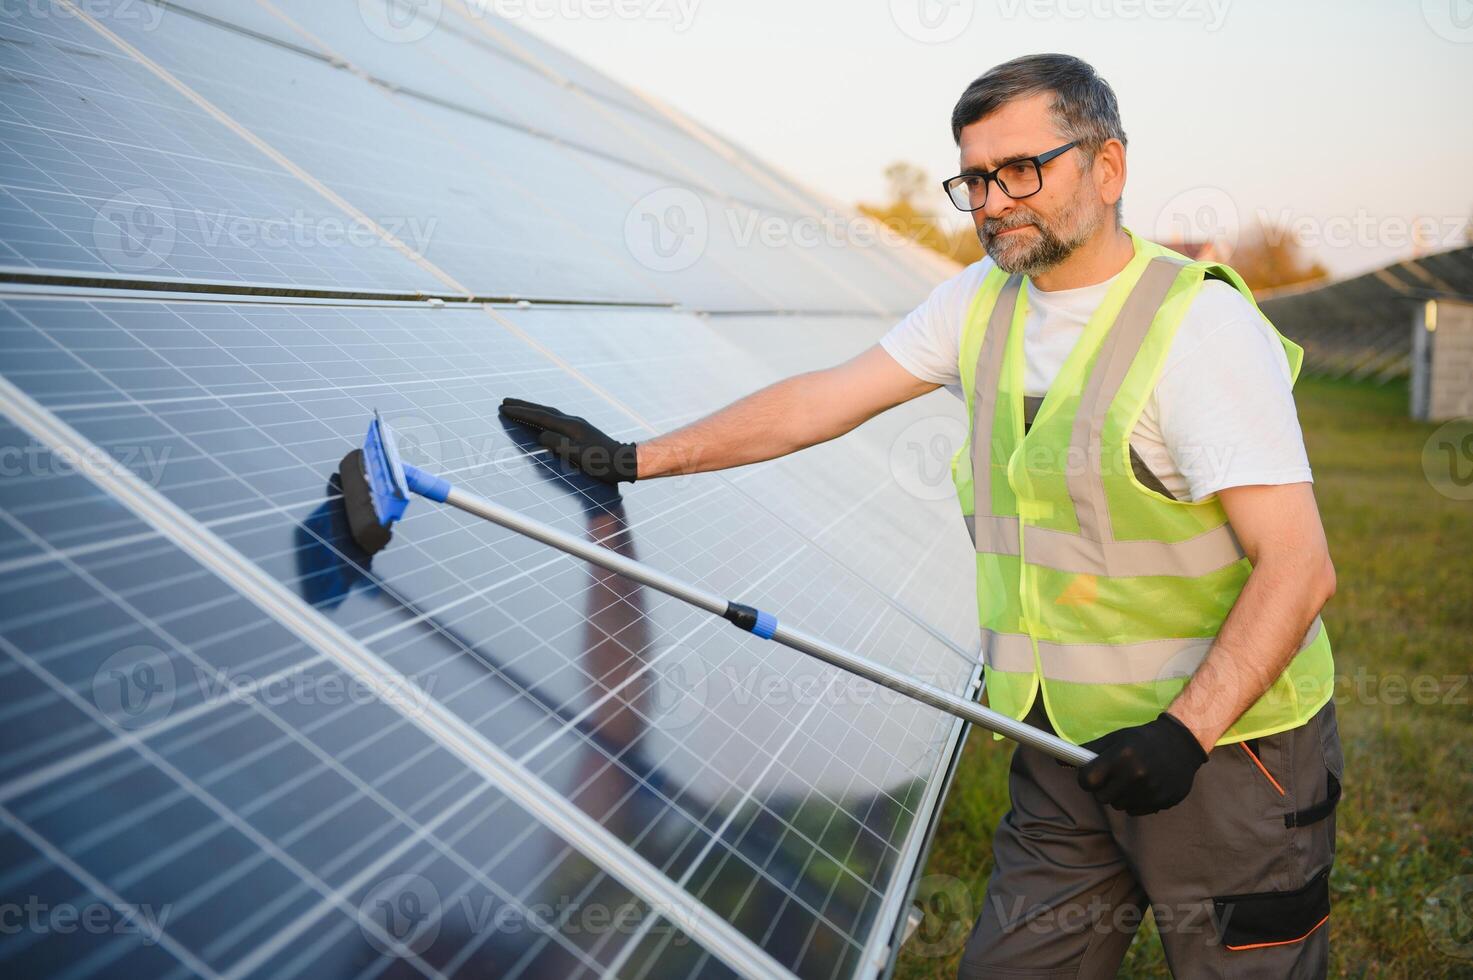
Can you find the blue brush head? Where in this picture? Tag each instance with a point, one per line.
(374, 488)
(385, 471)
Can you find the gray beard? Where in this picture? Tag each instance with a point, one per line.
(1048, 248)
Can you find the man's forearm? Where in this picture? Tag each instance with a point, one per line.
(772, 421)
(1260, 636)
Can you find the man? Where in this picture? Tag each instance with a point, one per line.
(1150, 559)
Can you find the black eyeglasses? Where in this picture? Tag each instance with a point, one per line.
(1017, 178)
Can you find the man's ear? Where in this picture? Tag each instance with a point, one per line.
(1108, 171)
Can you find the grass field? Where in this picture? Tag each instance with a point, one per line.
(1402, 628)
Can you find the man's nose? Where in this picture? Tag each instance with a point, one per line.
(998, 203)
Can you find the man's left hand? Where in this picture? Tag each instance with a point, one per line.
(1143, 769)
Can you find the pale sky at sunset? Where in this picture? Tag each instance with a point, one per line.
(1348, 118)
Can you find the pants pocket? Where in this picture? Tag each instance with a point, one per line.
(1261, 919)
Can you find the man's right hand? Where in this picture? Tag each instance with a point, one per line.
(575, 441)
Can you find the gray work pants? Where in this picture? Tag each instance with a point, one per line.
(1236, 874)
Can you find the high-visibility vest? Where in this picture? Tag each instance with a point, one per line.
(1094, 588)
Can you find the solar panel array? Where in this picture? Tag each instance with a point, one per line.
(237, 747)
(1362, 327)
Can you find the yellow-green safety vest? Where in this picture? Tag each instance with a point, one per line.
(1100, 592)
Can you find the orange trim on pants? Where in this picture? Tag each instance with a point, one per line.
(1270, 779)
(1284, 942)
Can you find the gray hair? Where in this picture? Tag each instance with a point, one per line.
(1084, 107)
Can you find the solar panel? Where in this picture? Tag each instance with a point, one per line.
(172, 743)
(107, 171)
(472, 754)
(616, 207)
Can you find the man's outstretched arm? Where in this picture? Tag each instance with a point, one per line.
(782, 418)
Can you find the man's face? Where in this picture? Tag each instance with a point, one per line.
(1038, 232)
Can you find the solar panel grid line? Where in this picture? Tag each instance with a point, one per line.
(98, 888)
(72, 154)
(512, 779)
(798, 197)
(883, 948)
(717, 835)
(928, 266)
(809, 856)
(850, 286)
(224, 813)
(733, 480)
(324, 51)
(366, 874)
(265, 148)
(473, 81)
(458, 246)
(774, 760)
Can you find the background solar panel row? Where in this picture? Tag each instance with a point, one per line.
(509, 182)
(1362, 327)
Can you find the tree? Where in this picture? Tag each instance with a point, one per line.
(910, 185)
(1273, 256)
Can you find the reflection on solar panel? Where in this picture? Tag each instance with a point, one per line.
(231, 232)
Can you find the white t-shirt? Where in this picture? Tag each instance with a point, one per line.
(1222, 414)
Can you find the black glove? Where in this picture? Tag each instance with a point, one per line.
(577, 443)
(1144, 769)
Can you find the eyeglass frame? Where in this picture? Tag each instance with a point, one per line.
(989, 177)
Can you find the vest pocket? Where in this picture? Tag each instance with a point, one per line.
(1273, 918)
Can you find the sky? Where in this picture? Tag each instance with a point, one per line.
(1349, 122)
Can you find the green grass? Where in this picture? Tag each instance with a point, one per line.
(1403, 611)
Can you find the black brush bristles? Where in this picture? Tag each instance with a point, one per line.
(363, 520)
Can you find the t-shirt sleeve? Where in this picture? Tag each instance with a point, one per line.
(1225, 399)
(927, 342)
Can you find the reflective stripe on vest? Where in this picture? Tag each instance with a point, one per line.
(1106, 611)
